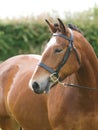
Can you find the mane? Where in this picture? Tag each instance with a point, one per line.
(71, 26)
(74, 27)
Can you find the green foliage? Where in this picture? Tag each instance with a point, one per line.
(30, 37)
(21, 38)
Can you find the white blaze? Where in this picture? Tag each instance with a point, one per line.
(51, 42)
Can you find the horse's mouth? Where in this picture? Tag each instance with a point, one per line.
(50, 85)
(38, 91)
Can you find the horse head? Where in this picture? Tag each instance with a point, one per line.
(60, 58)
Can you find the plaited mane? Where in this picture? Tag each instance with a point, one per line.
(73, 27)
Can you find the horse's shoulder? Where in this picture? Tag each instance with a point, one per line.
(16, 64)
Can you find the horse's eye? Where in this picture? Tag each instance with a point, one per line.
(57, 50)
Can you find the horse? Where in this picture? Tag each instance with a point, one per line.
(68, 73)
(19, 107)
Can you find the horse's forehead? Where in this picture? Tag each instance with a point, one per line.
(51, 42)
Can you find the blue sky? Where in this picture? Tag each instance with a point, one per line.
(18, 8)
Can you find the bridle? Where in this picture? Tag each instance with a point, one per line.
(55, 73)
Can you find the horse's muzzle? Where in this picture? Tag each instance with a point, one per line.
(41, 87)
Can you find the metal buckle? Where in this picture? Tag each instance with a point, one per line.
(54, 78)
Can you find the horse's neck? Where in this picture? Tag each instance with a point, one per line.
(88, 73)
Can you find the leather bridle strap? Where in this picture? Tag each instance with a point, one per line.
(46, 67)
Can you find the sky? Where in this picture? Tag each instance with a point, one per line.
(18, 8)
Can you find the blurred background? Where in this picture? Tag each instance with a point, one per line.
(23, 29)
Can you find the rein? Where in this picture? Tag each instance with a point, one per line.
(78, 86)
(56, 80)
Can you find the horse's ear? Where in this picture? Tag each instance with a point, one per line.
(62, 27)
(52, 27)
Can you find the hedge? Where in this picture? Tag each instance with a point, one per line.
(31, 37)
(21, 38)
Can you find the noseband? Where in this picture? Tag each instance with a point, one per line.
(55, 73)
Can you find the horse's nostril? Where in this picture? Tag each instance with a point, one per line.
(35, 86)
